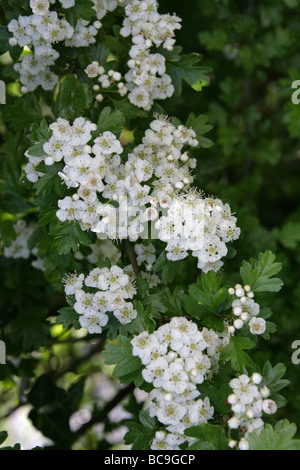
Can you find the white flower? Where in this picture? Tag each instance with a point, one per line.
(93, 322)
(245, 391)
(257, 325)
(73, 283)
(233, 423)
(256, 378)
(126, 315)
(40, 7)
(243, 444)
(107, 144)
(269, 407)
(19, 247)
(170, 413)
(67, 3)
(201, 411)
(84, 302)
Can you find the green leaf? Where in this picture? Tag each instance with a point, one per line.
(168, 272)
(143, 322)
(39, 131)
(68, 317)
(37, 150)
(46, 183)
(112, 121)
(68, 236)
(121, 356)
(142, 287)
(217, 396)
(172, 301)
(30, 329)
(187, 69)
(192, 307)
(160, 262)
(72, 99)
(200, 126)
(7, 232)
(234, 352)
(211, 433)
(259, 273)
(155, 304)
(15, 447)
(273, 379)
(129, 110)
(84, 9)
(52, 408)
(278, 438)
(3, 436)
(5, 35)
(147, 421)
(23, 112)
(206, 305)
(201, 445)
(141, 435)
(100, 53)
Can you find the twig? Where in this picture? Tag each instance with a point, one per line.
(132, 258)
(100, 415)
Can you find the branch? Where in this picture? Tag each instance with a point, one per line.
(101, 415)
(132, 257)
(75, 362)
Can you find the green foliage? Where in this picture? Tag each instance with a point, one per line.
(68, 317)
(52, 408)
(259, 273)
(121, 356)
(279, 437)
(206, 301)
(201, 127)
(210, 435)
(249, 57)
(143, 321)
(141, 434)
(72, 98)
(23, 112)
(110, 121)
(68, 236)
(186, 68)
(235, 353)
(273, 379)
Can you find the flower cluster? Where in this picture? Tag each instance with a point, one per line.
(153, 185)
(248, 401)
(102, 7)
(145, 254)
(246, 310)
(103, 290)
(143, 19)
(101, 249)
(175, 363)
(106, 80)
(147, 79)
(19, 248)
(40, 32)
(200, 225)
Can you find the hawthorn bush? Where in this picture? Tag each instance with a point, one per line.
(144, 192)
